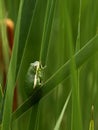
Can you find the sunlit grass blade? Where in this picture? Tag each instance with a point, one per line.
(91, 125)
(58, 123)
(63, 73)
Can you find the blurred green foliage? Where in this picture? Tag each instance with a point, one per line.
(49, 26)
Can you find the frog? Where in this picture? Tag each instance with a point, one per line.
(34, 77)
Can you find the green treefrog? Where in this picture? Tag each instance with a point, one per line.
(33, 77)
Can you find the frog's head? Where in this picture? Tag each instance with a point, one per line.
(35, 64)
(33, 67)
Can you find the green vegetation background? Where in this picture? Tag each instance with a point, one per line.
(52, 31)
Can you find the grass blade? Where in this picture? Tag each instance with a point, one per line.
(57, 126)
(91, 126)
(6, 122)
(1, 103)
(47, 31)
(25, 26)
(5, 47)
(76, 120)
(33, 117)
(12, 9)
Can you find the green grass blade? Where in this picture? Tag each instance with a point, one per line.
(76, 114)
(85, 53)
(47, 31)
(6, 122)
(25, 26)
(1, 103)
(76, 120)
(57, 126)
(91, 125)
(33, 117)
(12, 9)
(1, 93)
(5, 47)
(78, 33)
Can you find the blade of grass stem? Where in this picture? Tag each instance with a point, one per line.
(47, 31)
(78, 44)
(5, 44)
(80, 57)
(58, 123)
(25, 26)
(91, 125)
(33, 117)
(1, 103)
(12, 8)
(78, 34)
(76, 120)
(7, 112)
(76, 115)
